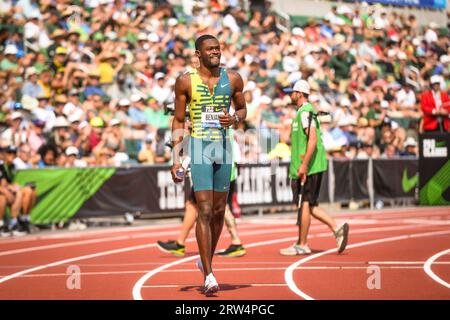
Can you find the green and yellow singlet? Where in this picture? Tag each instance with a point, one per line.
(205, 108)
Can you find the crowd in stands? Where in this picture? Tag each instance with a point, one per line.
(90, 82)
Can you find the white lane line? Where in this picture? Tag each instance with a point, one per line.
(76, 234)
(126, 249)
(289, 274)
(197, 285)
(124, 237)
(144, 235)
(83, 242)
(85, 233)
(138, 285)
(60, 262)
(99, 273)
(138, 247)
(428, 271)
(406, 262)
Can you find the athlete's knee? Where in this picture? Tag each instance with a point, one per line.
(219, 208)
(205, 210)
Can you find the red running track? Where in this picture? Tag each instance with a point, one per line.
(407, 250)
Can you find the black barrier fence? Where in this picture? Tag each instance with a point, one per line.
(65, 193)
(151, 190)
(434, 168)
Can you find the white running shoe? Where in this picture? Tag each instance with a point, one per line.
(341, 235)
(295, 250)
(211, 285)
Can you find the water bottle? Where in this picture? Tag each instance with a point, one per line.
(184, 165)
(180, 173)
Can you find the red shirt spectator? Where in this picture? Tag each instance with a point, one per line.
(435, 106)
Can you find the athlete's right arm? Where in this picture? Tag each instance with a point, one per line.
(182, 86)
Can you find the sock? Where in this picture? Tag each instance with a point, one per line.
(13, 222)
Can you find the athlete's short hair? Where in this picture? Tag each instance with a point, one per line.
(201, 39)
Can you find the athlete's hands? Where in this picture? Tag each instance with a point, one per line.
(302, 172)
(173, 171)
(226, 120)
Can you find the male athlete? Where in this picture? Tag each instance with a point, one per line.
(209, 91)
(308, 162)
(235, 249)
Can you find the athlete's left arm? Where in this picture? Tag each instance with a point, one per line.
(237, 96)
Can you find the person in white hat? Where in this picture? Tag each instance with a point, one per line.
(72, 160)
(10, 60)
(435, 105)
(161, 90)
(136, 112)
(308, 163)
(31, 87)
(431, 34)
(410, 146)
(15, 133)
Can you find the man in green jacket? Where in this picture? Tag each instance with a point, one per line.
(308, 163)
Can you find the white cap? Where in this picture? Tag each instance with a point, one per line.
(343, 122)
(34, 15)
(16, 115)
(294, 76)
(142, 36)
(153, 37)
(60, 122)
(82, 125)
(172, 22)
(401, 55)
(250, 86)
(345, 102)
(344, 10)
(124, 102)
(297, 31)
(74, 117)
(30, 71)
(114, 122)
(278, 102)
(265, 100)
(159, 75)
(300, 86)
(435, 79)
(111, 35)
(391, 53)
(72, 151)
(444, 59)
(384, 104)
(352, 121)
(29, 103)
(394, 125)
(135, 97)
(433, 25)
(11, 49)
(410, 142)
(313, 98)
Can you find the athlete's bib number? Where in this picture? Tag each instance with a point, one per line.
(210, 117)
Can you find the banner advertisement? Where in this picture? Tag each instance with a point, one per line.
(434, 169)
(395, 178)
(65, 193)
(430, 4)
